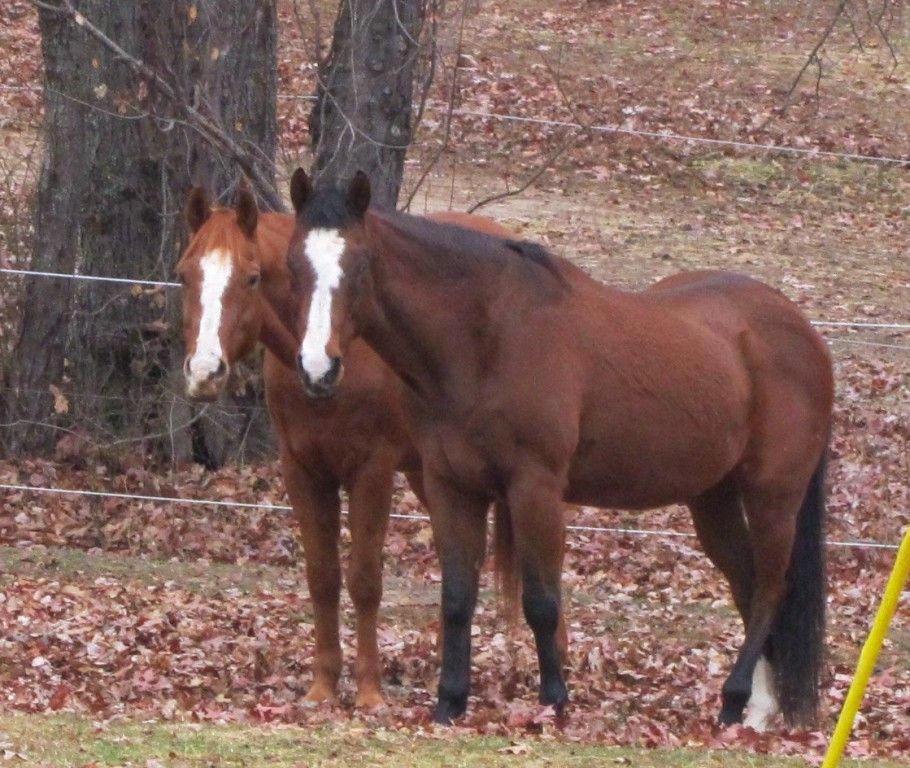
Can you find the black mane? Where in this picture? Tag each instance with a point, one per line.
(455, 248)
(538, 254)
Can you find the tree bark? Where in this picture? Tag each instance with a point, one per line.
(118, 165)
(362, 116)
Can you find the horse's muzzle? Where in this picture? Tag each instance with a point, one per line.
(205, 387)
(327, 384)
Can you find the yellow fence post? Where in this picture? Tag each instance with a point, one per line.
(869, 654)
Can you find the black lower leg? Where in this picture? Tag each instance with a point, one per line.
(541, 607)
(734, 697)
(737, 688)
(458, 599)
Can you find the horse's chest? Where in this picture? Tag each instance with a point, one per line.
(466, 452)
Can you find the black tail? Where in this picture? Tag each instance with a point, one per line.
(798, 639)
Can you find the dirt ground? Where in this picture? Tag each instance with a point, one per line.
(142, 610)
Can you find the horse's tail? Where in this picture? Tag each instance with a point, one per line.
(505, 564)
(798, 638)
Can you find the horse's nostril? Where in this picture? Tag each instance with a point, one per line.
(186, 366)
(222, 368)
(333, 372)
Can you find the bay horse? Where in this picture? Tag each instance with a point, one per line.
(533, 384)
(237, 292)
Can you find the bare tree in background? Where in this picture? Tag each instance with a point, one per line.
(124, 142)
(362, 119)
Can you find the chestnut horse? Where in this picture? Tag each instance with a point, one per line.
(531, 383)
(237, 292)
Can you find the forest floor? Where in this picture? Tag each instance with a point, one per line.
(149, 633)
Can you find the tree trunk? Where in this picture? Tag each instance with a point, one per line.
(362, 116)
(116, 172)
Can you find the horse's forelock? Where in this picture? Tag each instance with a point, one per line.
(221, 232)
(327, 208)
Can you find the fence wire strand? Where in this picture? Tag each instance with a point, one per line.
(397, 516)
(662, 135)
(163, 284)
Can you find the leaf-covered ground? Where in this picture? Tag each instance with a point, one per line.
(192, 615)
(187, 613)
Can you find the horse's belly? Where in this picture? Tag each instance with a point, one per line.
(640, 467)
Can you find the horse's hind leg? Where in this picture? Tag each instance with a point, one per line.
(317, 508)
(370, 502)
(721, 527)
(772, 526)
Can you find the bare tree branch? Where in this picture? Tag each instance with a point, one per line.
(547, 163)
(877, 23)
(204, 125)
(813, 57)
(453, 90)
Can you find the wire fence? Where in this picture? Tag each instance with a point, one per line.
(892, 326)
(284, 508)
(604, 129)
(664, 135)
(643, 532)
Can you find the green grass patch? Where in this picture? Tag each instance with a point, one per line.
(194, 576)
(61, 740)
(835, 181)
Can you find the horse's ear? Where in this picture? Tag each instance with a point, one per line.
(359, 193)
(198, 208)
(301, 189)
(247, 210)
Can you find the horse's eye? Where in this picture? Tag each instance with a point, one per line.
(254, 280)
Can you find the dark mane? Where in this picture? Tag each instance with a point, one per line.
(538, 254)
(454, 249)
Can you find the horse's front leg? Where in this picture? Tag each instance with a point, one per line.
(459, 531)
(317, 508)
(535, 503)
(370, 502)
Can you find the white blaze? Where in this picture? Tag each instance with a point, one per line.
(762, 706)
(323, 248)
(216, 274)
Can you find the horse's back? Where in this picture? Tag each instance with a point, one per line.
(473, 222)
(759, 314)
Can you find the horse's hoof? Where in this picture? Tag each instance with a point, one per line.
(733, 704)
(448, 710)
(730, 715)
(441, 717)
(321, 693)
(369, 698)
(556, 696)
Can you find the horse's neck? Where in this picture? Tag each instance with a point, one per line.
(415, 323)
(278, 312)
(273, 236)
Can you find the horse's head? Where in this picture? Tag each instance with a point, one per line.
(221, 298)
(326, 256)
